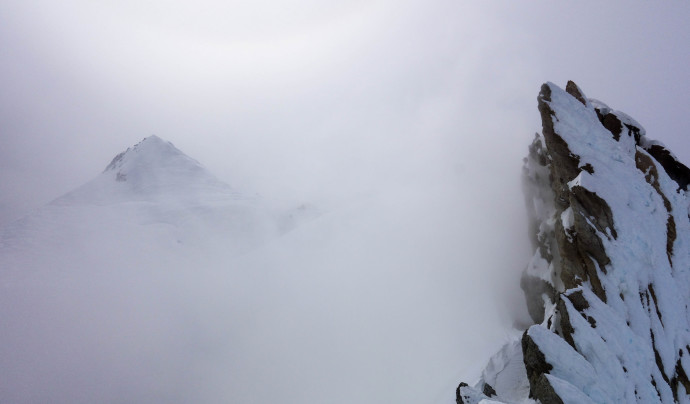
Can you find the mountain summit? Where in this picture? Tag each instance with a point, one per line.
(609, 282)
(152, 193)
(153, 169)
(151, 153)
(148, 284)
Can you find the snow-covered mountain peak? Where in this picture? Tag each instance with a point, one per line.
(151, 150)
(152, 193)
(153, 169)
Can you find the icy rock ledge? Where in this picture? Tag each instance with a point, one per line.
(609, 283)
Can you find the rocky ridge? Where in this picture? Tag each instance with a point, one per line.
(609, 282)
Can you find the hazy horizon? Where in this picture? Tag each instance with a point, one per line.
(289, 100)
(405, 123)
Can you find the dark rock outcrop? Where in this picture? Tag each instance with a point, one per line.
(609, 283)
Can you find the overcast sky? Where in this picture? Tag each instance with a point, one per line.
(313, 101)
(395, 115)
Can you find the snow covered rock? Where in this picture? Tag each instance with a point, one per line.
(153, 169)
(609, 283)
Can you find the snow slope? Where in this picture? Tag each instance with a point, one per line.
(611, 268)
(152, 193)
(101, 288)
(169, 287)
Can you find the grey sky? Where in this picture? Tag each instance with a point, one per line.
(292, 98)
(422, 109)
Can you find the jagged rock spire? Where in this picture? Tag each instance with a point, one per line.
(608, 285)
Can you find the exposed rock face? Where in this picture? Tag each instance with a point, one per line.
(609, 283)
